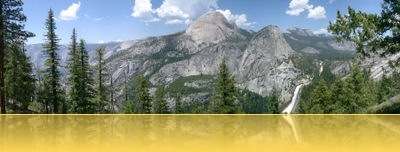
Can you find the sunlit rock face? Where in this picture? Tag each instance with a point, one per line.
(211, 27)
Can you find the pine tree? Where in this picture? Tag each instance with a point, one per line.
(385, 89)
(143, 97)
(178, 109)
(11, 31)
(224, 94)
(273, 101)
(73, 69)
(319, 98)
(20, 83)
(85, 89)
(369, 31)
(356, 84)
(52, 74)
(160, 105)
(128, 109)
(101, 90)
(340, 95)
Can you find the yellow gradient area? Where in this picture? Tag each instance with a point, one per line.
(192, 133)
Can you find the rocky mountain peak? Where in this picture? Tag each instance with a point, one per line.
(211, 27)
(271, 40)
(301, 32)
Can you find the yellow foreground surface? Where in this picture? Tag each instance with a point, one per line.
(191, 133)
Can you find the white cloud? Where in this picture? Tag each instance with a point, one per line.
(182, 11)
(173, 11)
(143, 10)
(296, 7)
(98, 19)
(331, 1)
(70, 13)
(240, 20)
(185, 9)
(175, 21)
(168, 10)
(321, 31)
(101, 42)
(317, 13)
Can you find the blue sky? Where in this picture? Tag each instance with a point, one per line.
(116, 20)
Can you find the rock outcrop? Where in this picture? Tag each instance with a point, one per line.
(265, 64)
(211, 27)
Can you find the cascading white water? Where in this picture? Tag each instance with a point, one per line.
(321, 67)
(290, 107)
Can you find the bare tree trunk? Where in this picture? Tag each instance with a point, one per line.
(112, 95)
(2, 70)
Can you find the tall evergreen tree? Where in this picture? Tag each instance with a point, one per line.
(52, 74)
(73, 69)
(356, 84)
(143, 97)
(128, 109)
(385, 89)
(100, 90)
(85, 89)
(20, 83)
(273, 100)
(319, 98)
(160, 105)
(224, 94)
(178, 109)
(340, 95)
(11, 31)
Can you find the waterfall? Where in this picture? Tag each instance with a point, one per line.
(321, 67)
(291, 105)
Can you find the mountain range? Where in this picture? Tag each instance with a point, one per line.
(187, 61)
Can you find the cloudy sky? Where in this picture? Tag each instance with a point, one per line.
(99, 21)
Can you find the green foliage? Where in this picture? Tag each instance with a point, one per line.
(253, 103)
(357, 86)
(385, 89)
(168, 54)
(340, 100)
(20, 83)
(369, 31)
(143, 97)
(54, 93)
(353, 95)
(273, 101)
(160, 105)
(81, 78)
(178, 86)
(223, 100)
(85, 90)
(196, 107)
(100, 89)
(305, 63)
(73, 69)
(129, 107)
(320, 98)
(178, 109)
(11, 32)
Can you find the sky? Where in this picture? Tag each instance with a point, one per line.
(100, 21)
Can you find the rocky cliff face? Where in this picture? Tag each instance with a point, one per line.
(265, 63)
(211, 27)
